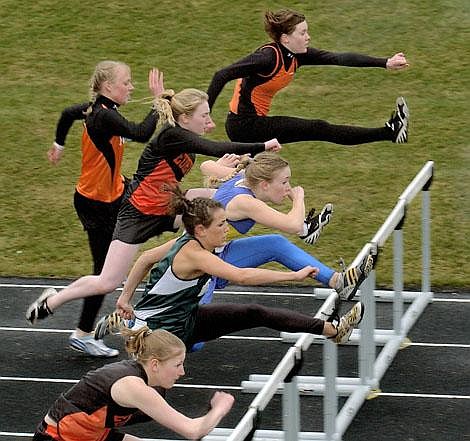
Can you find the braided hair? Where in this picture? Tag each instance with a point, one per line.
(198, 211)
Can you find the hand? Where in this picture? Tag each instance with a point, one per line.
(54, 154)
(398, 61)
(272, 145)
(308, 271)
(124, 308)
(229, 160)
(156, 82)
(296, 193)
(222, 401)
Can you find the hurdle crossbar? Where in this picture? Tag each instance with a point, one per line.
(371, 366)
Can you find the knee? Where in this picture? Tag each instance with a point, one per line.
(106, 285)
(277, 241)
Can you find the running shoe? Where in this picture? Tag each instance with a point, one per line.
(88, 345)
(313, 225)
(399, 121)
(348, 322)
(108, 324)
(350, 279)
(38, 309)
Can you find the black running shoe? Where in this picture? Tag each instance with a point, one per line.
(399, 121)
(314, 224)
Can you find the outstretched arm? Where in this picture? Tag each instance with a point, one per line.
(192, 259)
(133, 392)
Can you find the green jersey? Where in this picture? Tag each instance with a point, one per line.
(170, 302)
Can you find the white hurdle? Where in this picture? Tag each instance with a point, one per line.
(371, 367)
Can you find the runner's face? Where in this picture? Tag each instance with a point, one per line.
(218, 229)
(297, 41)
(199, 121)
(119, 90)
(278, 187)
(169, 371)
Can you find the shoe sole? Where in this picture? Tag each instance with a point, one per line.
(104, 327)
(83, 351)
(403, 112)
(352, 326)
(362, 277)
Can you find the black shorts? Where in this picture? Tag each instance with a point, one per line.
(96, 215)
(134, 227)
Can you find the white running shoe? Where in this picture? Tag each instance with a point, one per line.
(88, 345)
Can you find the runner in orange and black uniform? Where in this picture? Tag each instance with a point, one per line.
(272, 67)
(168, 157)
(129, 392)
(100, 188)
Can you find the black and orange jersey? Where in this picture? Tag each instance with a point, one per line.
(105, 130)
(167, 158)
(269, 69)
(87, 410)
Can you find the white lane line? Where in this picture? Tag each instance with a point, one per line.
(249, 293)
(218, 387)
(227, 337)
(447, 397)
(66, 380)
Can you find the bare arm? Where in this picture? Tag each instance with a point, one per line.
(246, 206)
(138, 272)
(193, 260)
(133, 392)
(222, 167)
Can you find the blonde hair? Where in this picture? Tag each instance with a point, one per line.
(281, 22)
(144, 344)
(262, 167)
(104, 71)
(170, 105)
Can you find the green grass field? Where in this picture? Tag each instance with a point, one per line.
(49, 49)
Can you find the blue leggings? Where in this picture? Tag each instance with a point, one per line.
(254, 251)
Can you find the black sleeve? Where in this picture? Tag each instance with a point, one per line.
(112, 122)
(66, 120)
(260, 62)
(321, 57)
(177, 140)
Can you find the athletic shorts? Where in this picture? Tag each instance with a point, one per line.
(134, 227)
(96, 214)
(45, 432)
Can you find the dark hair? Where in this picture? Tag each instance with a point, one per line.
(198, 211)
(281, 22)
